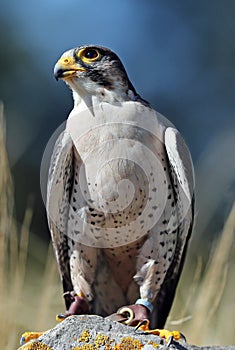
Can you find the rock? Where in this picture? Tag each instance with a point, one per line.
(90, 332)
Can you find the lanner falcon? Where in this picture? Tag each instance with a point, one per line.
(119, 195)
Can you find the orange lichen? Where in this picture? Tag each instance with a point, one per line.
(128, 343)
(85, 347)
(101, 340)
(35, 346)
(85, 336)
(155, 345)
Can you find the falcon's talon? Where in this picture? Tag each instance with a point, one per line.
(144, 324)
(28, 336)
(170, 341)
(165, 334)
(162, 333)
(61, 317)
(69, 295)
(182, 337)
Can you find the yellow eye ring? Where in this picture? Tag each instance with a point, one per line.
(89, 54)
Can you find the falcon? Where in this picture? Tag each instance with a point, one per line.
(119, 196)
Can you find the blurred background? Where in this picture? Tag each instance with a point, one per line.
(180, 56)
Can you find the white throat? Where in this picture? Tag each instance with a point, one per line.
(88, 94)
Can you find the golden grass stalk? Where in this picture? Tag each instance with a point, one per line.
(16, 310)
(48, 293)
(213, 285)
(6, 204)
(183, 314)
(6, 227)
(13, 251)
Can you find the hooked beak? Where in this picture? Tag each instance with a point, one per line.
(66, 68)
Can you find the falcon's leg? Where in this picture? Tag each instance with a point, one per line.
(83, 261)
(150, 276)
(78, 306)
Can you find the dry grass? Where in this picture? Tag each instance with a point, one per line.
(27, 297)
(8, 243)
(207, 307)
(30, 290)
(212, 287)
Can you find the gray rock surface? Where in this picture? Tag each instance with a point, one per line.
(93, 332)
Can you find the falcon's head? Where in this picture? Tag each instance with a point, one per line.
(95, 70)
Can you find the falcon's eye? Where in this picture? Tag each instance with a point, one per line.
(89, 55)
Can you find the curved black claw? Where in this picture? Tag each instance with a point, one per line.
(182, 336)
(61, 317)
(27, 336)
(142, 323)
(22, 340)
(170, 341)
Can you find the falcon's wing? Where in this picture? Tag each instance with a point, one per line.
(60, 180)
(182, 178)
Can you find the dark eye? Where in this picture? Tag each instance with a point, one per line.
(91, 54)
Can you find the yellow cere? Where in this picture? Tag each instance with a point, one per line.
(66, 61)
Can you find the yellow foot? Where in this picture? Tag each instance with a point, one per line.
(60, 317)
(27, 336)
(163, 333)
